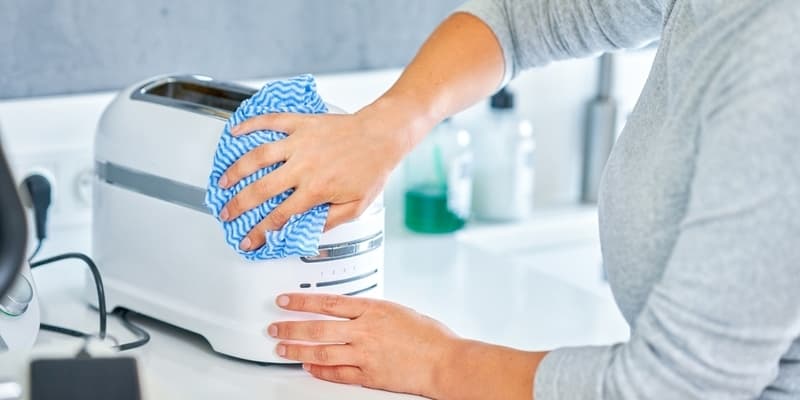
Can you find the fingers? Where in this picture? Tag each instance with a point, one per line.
(295, 204)
(269, 186)
(276, 219)
(260, 157)
(326, 304)
(320, 354)
(341, 213)
(339, 374)
(281, 122)
(312, 331)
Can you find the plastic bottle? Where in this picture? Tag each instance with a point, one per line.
(504, 163)
(438, 179)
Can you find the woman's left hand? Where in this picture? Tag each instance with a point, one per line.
(380, 344)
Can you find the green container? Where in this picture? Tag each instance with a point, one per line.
(438, 175)
(426, 210)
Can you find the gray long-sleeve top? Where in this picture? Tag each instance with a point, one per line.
(700, 200)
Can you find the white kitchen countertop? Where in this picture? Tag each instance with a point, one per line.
(533, 286)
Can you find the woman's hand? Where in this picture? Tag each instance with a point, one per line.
(386, 346)
(381, 345)
(343, 160)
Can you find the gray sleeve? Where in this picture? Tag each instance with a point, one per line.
(536, 32)
(728, 304)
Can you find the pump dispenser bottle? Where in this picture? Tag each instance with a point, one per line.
(504, 163)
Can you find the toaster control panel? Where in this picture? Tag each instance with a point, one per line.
(348, 268)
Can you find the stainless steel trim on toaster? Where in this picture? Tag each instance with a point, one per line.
(195, 93)
(193, 197)
(153, 186)
(337, 251)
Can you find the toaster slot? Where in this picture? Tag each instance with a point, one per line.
(195, 93)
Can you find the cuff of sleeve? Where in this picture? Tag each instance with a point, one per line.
(572, 373)
(494, 17)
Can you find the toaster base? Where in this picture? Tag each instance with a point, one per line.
(246, 340)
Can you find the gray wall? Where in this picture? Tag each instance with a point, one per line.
(69, 46)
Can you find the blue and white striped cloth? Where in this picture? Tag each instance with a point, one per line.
(300, 236)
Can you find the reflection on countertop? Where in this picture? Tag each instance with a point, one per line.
(535, 285)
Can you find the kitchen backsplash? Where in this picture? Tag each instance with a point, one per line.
(77, 46)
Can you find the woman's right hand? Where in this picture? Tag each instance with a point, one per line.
(343, 160)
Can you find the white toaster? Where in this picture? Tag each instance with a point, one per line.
(160, 251)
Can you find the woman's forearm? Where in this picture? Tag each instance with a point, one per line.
(345, 160)
(477, 370)
(459, 64)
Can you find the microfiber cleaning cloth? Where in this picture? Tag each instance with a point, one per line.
(300, 236)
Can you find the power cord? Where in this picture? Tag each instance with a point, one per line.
(143, 337)
(98, 282)
(36, 250)
(40, 191)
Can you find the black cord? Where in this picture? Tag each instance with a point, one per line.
(40, 190)
(98, 282)
(144, 337)
(36, 250)
(63, 331)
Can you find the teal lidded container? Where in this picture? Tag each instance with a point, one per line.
(438, 181)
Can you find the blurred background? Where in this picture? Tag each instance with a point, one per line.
(64, 61)
(75, 46)
(60, 55)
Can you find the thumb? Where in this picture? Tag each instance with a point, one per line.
(341, 213)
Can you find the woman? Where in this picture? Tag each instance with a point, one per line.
(699, 206)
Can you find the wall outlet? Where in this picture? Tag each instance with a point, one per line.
(70, 172)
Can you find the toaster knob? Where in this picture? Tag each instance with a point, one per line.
(15, 302)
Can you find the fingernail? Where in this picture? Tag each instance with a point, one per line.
(245, 244)
(283, 300)
(307, 367)
(224, 214)
(235, 130)
(281, 350)
(223, 182)
(272, 331)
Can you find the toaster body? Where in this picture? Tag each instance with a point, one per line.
(160, 251)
